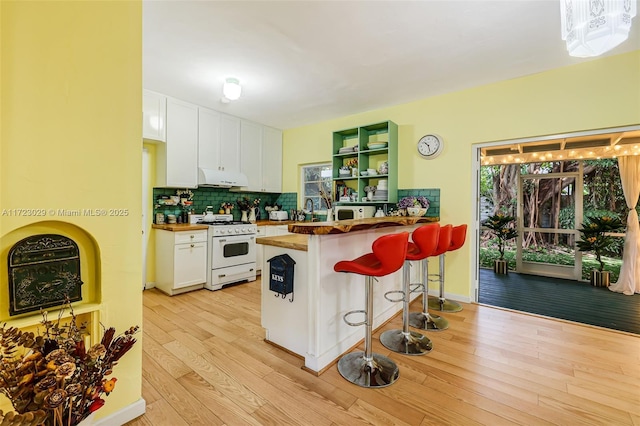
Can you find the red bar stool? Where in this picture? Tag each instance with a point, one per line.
(431, 240)
(404, 341)
(367, 369)
(458, 236)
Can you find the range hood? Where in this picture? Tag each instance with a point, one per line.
(221, 178)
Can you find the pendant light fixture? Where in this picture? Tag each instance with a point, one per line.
(231, 89)
(592, 27)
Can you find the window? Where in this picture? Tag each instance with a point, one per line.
(315, 177)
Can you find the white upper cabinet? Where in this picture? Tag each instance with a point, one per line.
(198, 137)
(177, 162)
(271, 160)
(261, 155)
(208, 139)
(251, 154)
(154, 116)
(218, 141)
(229, 143)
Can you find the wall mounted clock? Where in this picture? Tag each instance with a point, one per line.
(430, 146)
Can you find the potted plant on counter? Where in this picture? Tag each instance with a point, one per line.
(414, 206)
(503, 229)
(594, 238)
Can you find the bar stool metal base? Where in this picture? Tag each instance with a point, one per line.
(410, 343)
(379, 372)
(444, 305)
(426, 321)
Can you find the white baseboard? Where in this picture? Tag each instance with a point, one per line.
(125, 415)
(450, 296)
(147, 286)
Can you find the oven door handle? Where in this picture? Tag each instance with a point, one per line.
(238, 240)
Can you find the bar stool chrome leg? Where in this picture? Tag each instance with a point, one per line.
(424, 320)
(405, 341)
(440, 303)
(367, 369)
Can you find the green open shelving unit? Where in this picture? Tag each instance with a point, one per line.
(367, 157)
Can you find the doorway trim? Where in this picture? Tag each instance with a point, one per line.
(476, 150)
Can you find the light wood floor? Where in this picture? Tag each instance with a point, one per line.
(205, 363)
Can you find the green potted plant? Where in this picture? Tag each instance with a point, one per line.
(503, 229)
(594, 238)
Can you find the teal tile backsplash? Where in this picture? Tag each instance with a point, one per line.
(203, 197)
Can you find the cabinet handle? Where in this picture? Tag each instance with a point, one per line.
(193, 245)
(193, 236)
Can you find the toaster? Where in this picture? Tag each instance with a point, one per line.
(278, 215)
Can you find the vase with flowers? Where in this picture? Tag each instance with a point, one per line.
(254, 211)
(51, 378)
(352, 166)
(414, 206)
(594, 237)
(225, 208)
(244, 204)
(370, 190)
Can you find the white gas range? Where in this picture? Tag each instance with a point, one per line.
(231, 251)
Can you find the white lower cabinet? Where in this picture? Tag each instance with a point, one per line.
(181, 260)
(261, 232)
(275, 230)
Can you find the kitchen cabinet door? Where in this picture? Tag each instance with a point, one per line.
(229, 143)
(209, 139)
(251, 154)
(190, 262)
(261, 232)
(177, 160)
(154, 116)
(275, 230)
(271, 160)
(181, 260)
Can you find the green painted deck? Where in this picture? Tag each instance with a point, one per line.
(565, 299)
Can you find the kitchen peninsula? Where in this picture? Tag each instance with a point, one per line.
(308, 322)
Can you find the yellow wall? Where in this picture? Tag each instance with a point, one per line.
(150, 236)
(71, 85)
(595, 94)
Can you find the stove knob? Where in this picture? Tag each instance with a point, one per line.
(237, 230)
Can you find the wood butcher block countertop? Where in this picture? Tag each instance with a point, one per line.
(344, 226)
(291, 241)
(177, 227)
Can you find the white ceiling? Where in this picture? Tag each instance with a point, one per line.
(302, 62)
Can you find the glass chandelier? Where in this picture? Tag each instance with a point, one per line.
(592, 27)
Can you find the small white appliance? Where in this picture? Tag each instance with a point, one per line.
(278, 215)
(354, 212)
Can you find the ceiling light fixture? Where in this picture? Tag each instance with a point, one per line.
(592, 27)
(231, 89)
